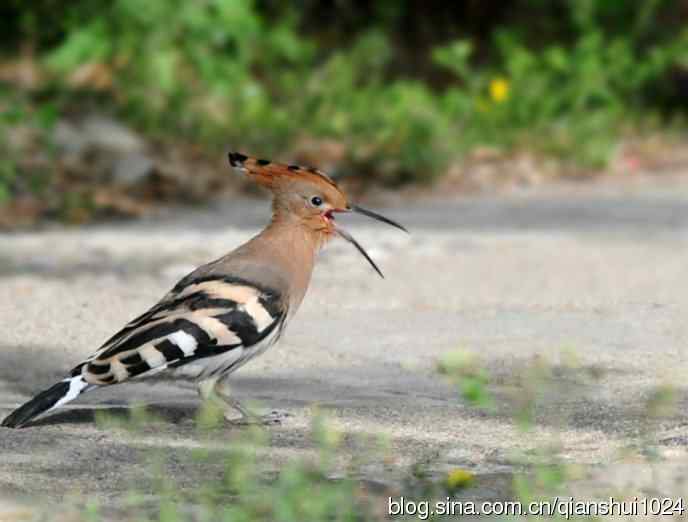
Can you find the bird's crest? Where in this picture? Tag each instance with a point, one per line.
(270, 174)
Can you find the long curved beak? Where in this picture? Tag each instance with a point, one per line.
(375, 215)
(348, 237)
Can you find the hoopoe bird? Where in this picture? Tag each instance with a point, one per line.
(228, 311)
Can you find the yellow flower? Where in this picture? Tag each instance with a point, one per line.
(459, 478)
(499, 90)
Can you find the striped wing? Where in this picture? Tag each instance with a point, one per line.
(201, 317)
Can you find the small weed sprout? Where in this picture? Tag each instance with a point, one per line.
(463, 368)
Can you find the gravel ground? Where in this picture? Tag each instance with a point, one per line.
(587, 283)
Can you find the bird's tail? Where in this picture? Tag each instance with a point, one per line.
(61, 393)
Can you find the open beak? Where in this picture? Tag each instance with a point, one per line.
(345, 235)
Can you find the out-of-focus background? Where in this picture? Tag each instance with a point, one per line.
(112, 107)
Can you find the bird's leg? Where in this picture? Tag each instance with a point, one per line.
(217, 390)
(222, 390)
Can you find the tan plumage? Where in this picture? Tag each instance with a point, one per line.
(227, 311)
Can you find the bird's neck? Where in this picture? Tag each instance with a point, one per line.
(292, 245)
(308, 231)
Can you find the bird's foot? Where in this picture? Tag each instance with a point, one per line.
(273, 418)
(217, 392)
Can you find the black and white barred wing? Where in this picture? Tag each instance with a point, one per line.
(204, 326)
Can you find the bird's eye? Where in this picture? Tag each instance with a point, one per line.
(316, 201)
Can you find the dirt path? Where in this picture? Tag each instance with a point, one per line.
(591, 285)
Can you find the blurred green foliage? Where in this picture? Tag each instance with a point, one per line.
(464, 369)
(235, 480)
(405, 88)
(32, 124)
(562, 100)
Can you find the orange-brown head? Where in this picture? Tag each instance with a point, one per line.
(306, 195)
